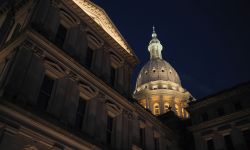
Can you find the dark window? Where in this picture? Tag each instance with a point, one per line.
(60, 35)
(112, 76)
(156, 143)
(89, 58)
(229, 142)
(246, 134)
(204, 116)
(237, 106)
(80, 113)
(45, 93)
(210, 144)
(220, 111)
(142, 137)
(109, 129)
(2, 67)
(6, 28)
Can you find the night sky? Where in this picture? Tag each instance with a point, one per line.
(207, 42)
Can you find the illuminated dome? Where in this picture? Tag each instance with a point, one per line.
(157, 69)
(158, 86)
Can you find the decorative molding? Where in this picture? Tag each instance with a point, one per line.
(102, 19)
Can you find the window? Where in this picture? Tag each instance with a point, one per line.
(89, 58)
(60, 35)
(246, 134)
(5, 29)
(210, 144)
(109, 130)
(204, 116)
(220, 111)
(156, 109)
(237, 106)
(142, 137)
(45, 92)
(166, 107)
(229, 142)
(183, 112)
(177, 108)
(156, 143)
(80, 113)
(112, 76)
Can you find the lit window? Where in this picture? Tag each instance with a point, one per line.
(155, 87)
(156, 109)
(166, 107)
(183, 112)
(177, 108)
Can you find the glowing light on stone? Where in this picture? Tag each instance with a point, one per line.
(102, 19)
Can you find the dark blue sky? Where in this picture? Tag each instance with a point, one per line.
(207, 42)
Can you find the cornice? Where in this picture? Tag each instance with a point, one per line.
(97, 18)
(220, 120)
(44, 127)
(71, 64)
(217, 98)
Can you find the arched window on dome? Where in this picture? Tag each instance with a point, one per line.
(183, 112)
(187, 114)
(177, 109)
(156, 109)
(166, 107)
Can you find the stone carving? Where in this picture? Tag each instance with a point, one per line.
(102, 19)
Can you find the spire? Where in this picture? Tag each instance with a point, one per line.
(154, 35)
(155, 46)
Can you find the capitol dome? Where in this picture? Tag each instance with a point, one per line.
(158, 86)
(155, 70)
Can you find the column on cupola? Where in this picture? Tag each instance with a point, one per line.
(161, 104)
(147, 102)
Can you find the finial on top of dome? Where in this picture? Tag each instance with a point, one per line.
(154, 34)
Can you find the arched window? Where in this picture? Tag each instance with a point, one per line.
(177, 108)
(183, 112)
(166, 107)
(156, 109)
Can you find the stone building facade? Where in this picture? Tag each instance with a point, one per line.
(65, 81)
(65, 74)
(222, 121)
